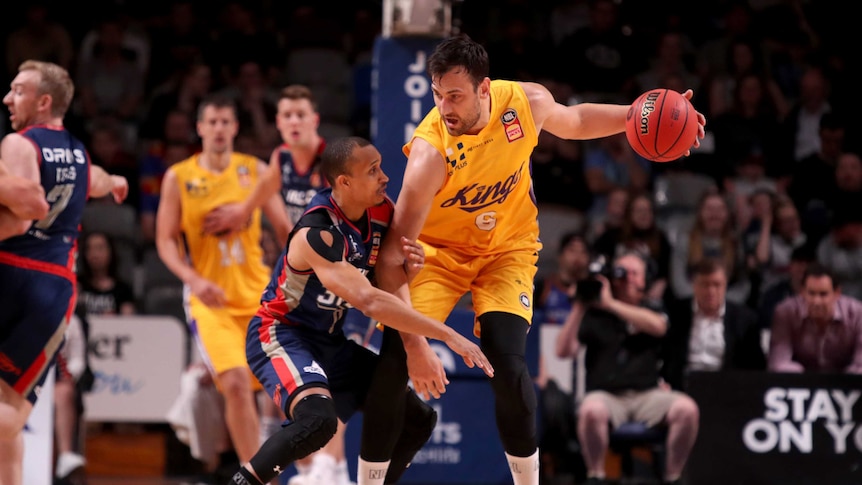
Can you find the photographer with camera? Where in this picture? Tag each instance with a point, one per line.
(623, 335)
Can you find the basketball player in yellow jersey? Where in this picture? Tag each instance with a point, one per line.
(225, 273)
(467, 196)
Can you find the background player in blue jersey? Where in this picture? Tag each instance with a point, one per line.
(296, 346)
(36, 268)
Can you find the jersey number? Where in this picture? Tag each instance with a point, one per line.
(58, 197)
(231, 252)
(486, 220)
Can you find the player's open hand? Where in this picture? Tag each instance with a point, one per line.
(426, 372)
(701, 122)
(224, 219)
(414, 257)
(470, 352)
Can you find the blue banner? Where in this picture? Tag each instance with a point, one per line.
(401, 98)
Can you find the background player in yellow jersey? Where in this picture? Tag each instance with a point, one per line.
(467, 196)
(224, 273)
(294, 172)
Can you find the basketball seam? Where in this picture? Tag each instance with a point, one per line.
(682, 131)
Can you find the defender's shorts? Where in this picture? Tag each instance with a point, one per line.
(288, 358)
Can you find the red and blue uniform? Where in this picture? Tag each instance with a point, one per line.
(37, 281)
(299, 187)
(296, 340)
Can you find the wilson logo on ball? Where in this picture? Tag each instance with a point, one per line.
(647, 108)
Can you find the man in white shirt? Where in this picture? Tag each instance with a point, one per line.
(709, 333)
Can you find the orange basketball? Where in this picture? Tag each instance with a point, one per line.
(661, 125)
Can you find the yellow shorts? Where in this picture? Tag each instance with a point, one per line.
(221, 336)
(499, 283)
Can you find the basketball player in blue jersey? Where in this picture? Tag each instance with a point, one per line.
(295, 343)
(36, 267)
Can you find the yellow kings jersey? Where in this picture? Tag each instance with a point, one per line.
(486, 204)
(233, 261)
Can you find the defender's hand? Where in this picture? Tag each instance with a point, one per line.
(470, 352)
(414, 257)
(426, 371)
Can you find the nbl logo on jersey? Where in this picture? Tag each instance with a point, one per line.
(512, 125)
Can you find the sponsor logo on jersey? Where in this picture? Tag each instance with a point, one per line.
(197, 187)
(477, 196)
(375, 248)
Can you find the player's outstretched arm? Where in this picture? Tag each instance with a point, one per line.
(102, 183)
(324, 253)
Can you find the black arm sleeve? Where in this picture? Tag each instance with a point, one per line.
(335, 252)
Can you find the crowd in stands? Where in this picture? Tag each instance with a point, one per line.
(770, 204)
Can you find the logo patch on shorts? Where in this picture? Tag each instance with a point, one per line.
(314, 368)
(525, 300)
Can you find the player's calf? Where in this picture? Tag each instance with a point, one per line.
(313, 425)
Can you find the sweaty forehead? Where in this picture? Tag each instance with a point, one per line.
(455, 79)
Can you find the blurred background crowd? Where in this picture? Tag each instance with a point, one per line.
(775, 186)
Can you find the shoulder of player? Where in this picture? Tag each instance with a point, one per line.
(18, 141)
(537, 95)
(16, 147)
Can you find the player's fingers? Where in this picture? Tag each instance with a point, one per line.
(438, 389)
(485, 364)
(468, 361)
(688, 93)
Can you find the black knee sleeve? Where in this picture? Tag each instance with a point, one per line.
(383, 410)
(313, 425)
(419, 422)
(504, 341)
